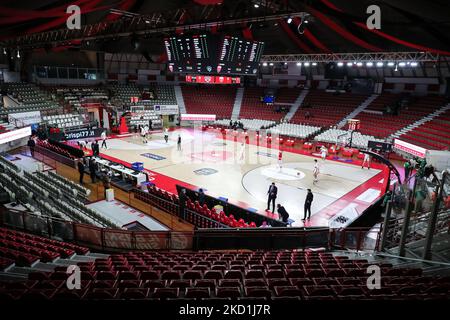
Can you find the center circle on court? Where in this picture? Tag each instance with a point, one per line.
(290, 174)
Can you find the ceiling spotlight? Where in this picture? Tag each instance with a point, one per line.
(264, 64)
(402, 64)
(306, 21)
(306, 64)
(289, 20)
(391, 64)
(285, 63)
(396, 67)
(4, 50)
(314, 63)
(349, 64)
(379, 64)
(18, 53)
(340, 64)
(256, 5)
(414, 64)
(299, 64)
(369, 64)
(359, 64)
(271, 64)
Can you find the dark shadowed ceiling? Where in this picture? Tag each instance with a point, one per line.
(334, 25)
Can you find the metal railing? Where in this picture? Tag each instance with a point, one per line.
(419, 210)
(110, 240)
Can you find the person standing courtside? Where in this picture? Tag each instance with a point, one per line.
(93, 170)
(366, 161)
(282, 213)
(308, 202)
(81, 171)
(103, 136)
(179, 143)
(166, 135)
(272, 195)
(31, 144)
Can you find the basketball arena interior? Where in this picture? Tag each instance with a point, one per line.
(217, 151)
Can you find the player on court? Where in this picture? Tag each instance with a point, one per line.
(323, 153)
(148, 133)
(366, 161)
(144, 134)
(280, 160)
(166, 135)
(242, 152)
(316, 171)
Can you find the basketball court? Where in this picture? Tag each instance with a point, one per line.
(242, 173)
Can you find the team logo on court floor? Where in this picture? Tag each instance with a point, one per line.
(266, 154)
(153, 156)
(205, 171)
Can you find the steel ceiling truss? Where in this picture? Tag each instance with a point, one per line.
(132, 24)
(354, 57)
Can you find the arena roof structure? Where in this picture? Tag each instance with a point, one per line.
(287, 27)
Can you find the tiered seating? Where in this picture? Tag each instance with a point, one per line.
(294, 130)
(214, 219)
(26, 249)
(253, 108)
(325, 108)
(264, 275)
(29, 97)
(5, 263)
(158, 198)
(65, 120)
(359, 140)
(165, 94)
(125, 92)
(384, 100)
(249, 124)
(47, 145)
(74, 96)
(382, 125)
(287, 95)
(143, 117)
(207, 100)
(434, 134)
(49, 197)
(84, 192)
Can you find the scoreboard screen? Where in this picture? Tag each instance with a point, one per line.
(239, 56)
(213, 54)
(212, 79)
(190, 53)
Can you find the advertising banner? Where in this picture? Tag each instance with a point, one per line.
(410, 148)
(31, 117)
(198, 117)
(15, 134)
(166, 109)
(84, 133)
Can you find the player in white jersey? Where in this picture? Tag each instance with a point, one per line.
(316, 171)
(166, 135)
(144, 134)
(366, 161)
(323, 153)
(242, 152)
